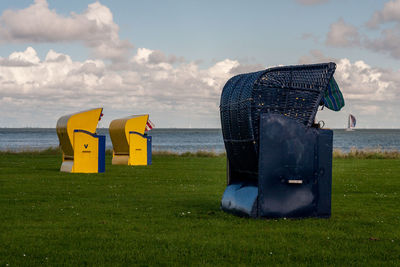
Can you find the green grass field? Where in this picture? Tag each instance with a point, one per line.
(168, 214)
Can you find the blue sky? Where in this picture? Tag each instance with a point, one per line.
(171, 58)
(212, 30)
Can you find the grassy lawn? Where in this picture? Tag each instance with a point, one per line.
(168, 214)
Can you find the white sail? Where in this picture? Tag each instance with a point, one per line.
(351, 123)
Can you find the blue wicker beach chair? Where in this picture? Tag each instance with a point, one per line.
(279, 161)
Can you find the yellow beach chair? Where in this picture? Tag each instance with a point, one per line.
(131, 146)
(83, 150)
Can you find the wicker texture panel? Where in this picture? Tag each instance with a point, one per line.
(236, 112)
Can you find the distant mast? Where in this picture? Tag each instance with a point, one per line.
(351, 123)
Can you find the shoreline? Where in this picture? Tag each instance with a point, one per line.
(368, 153)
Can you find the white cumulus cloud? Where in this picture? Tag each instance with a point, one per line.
(342, 34)
(58, 84)
(94, 27)
(389, 13)
(370, 93)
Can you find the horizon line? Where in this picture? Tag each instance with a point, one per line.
(196, 128)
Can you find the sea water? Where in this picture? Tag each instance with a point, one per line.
(192, 140)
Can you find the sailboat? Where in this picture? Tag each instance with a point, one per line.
(351, 123)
